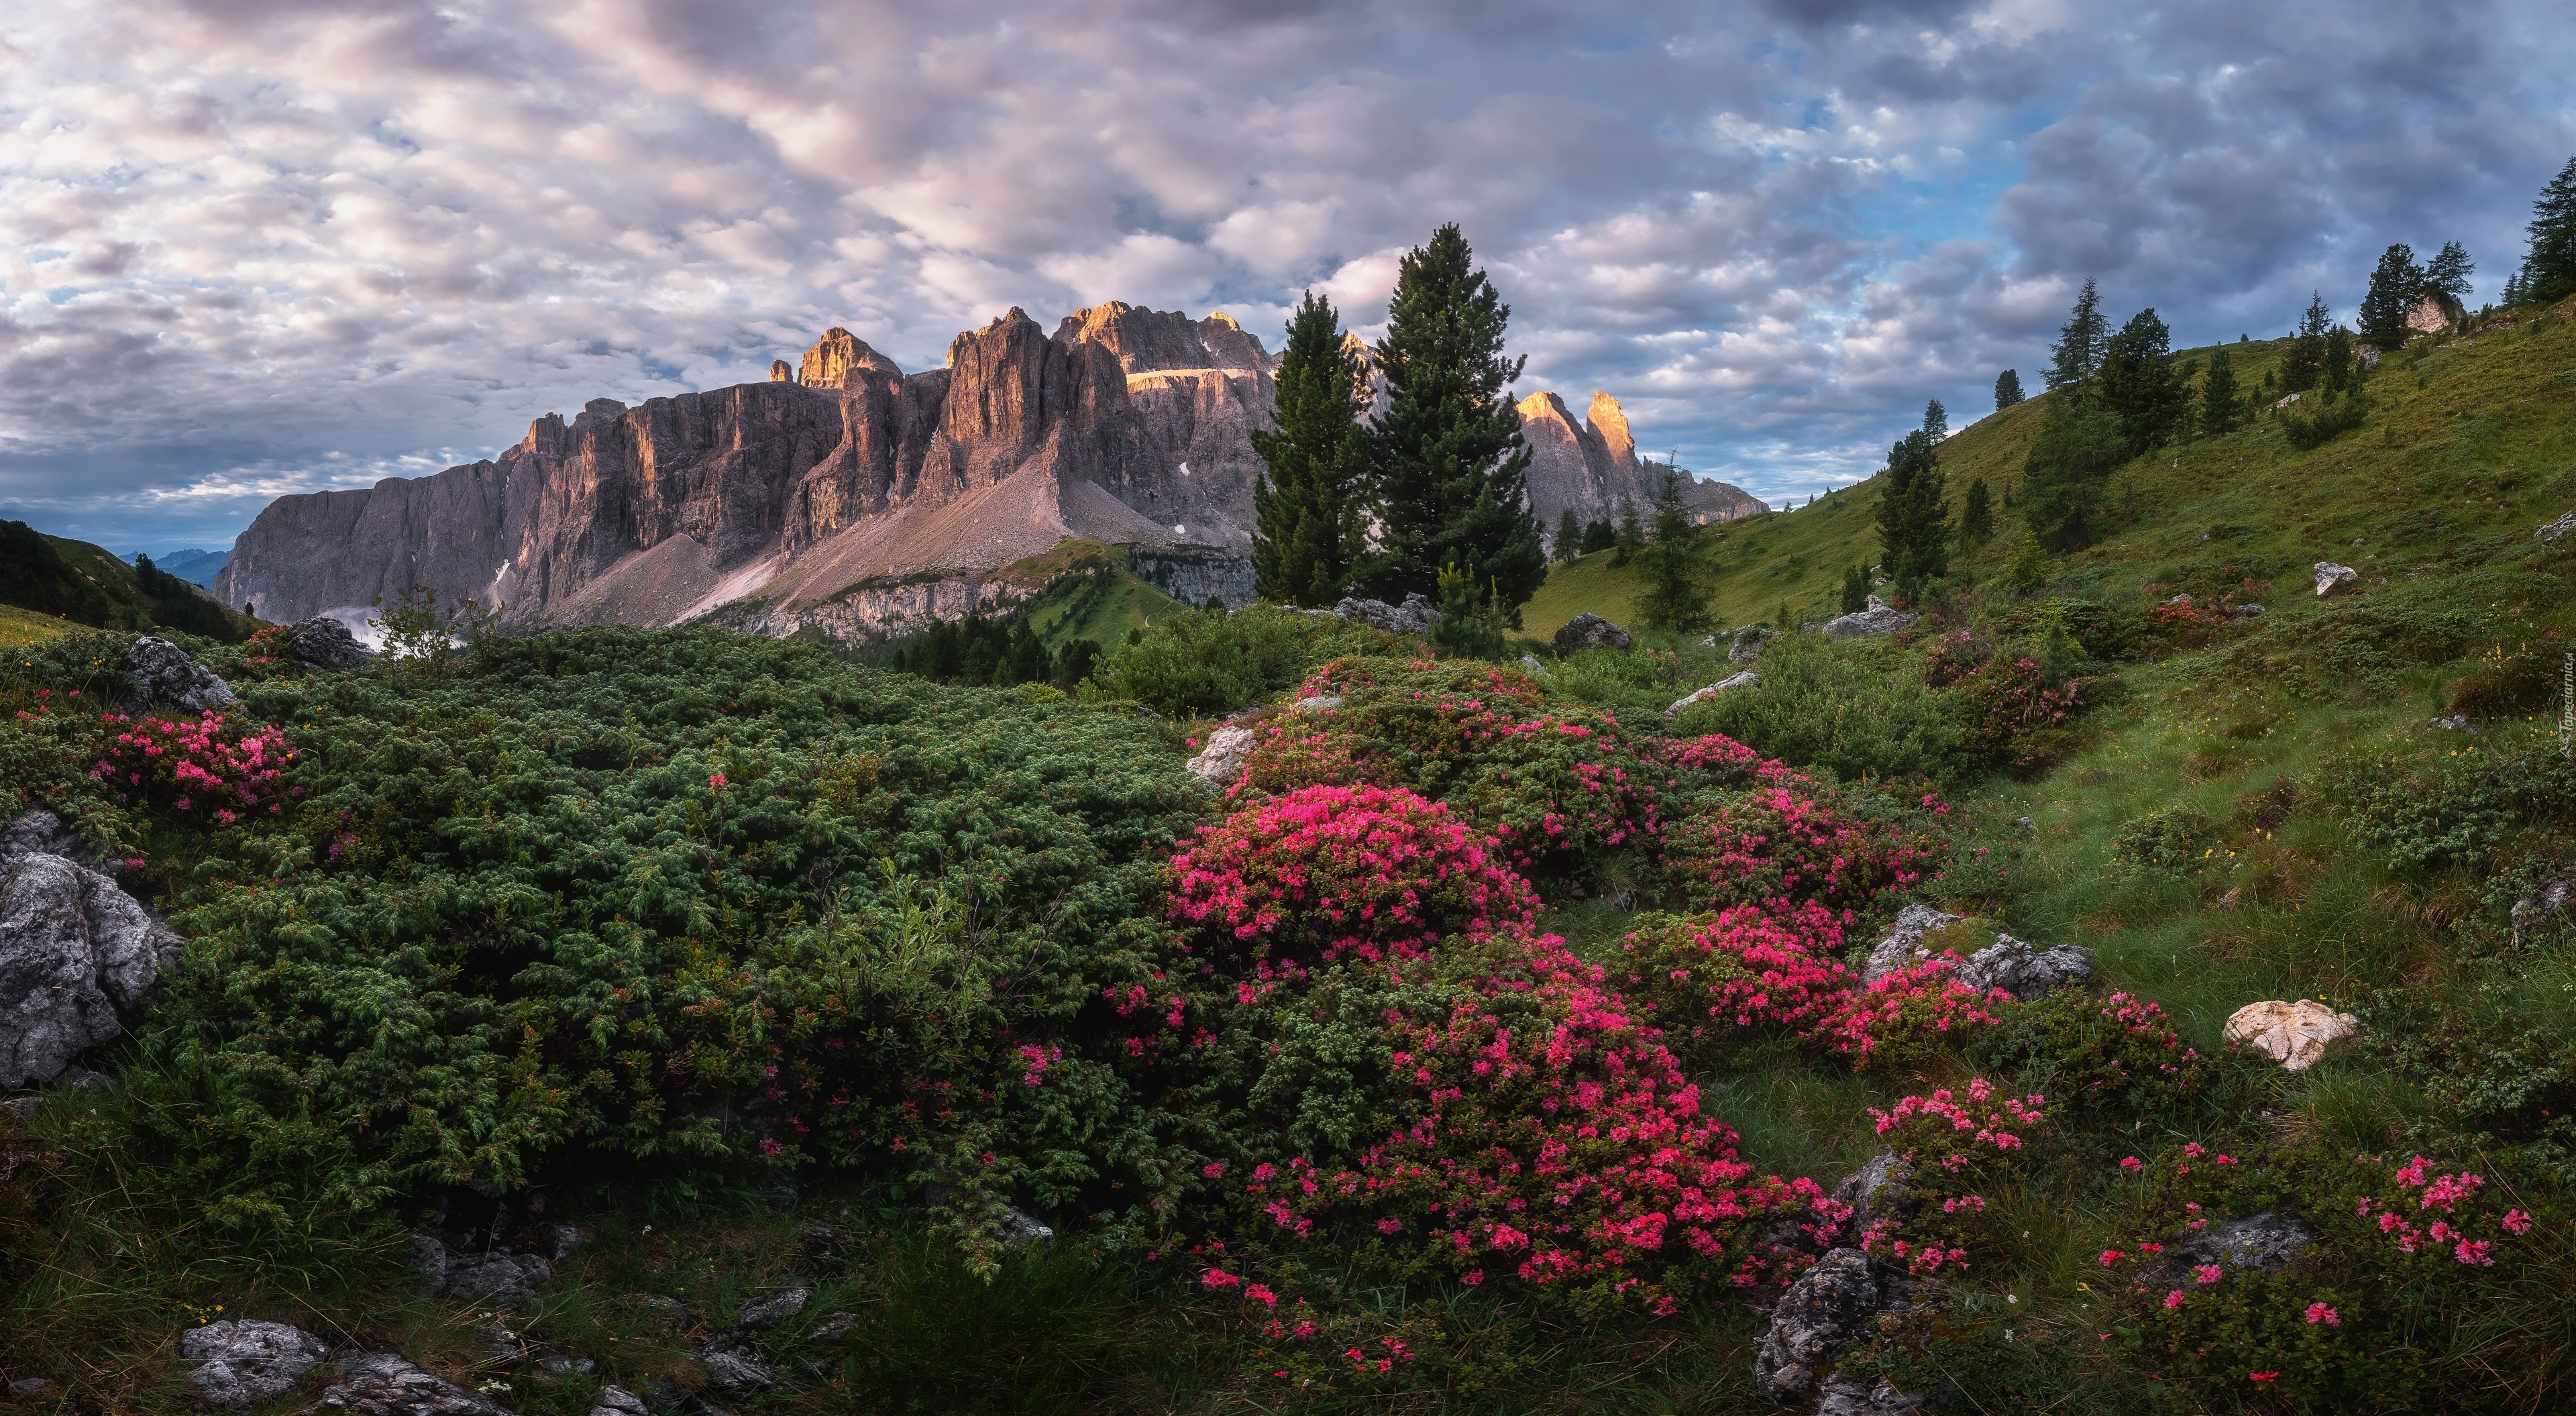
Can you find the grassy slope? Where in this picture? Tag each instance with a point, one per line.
(19, 627)
(1072, 609)
(2465, 453)
(128, 606)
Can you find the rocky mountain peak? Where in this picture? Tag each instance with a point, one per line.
(780, 373)
(547, 436)
(1149, 341)
(598, 410)
(1607, 417)
(840, 359)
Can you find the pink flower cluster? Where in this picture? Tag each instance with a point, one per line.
(1328, 871)
(1931, 1126)
(208, 763)
(1560, 1140)
(1776, 844)
(1746, 967)
(1905, 1009)
(2448, 1193)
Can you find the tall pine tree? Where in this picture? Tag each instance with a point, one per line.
(2394, 288)
(1446, 460)
(2070, 461)
(1569, 536)
(2221, 405)
(1673, 566)
(1936, 420)
(2549, 272)
(1308, 503)
(1976, 517)
(2077, 355)
(2305, 364)
(2007, 389)
(2140, 387)
(1913, 522)
(2447, 277)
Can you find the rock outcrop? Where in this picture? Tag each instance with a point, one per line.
(238, 1364)
(383, 1384)
(76, 953)
(2296, 1035)
(2331, 576)
(2024, 971)
(1220, 763)
(1903, 946)
(325, 643)
(1414, 616)
(1878, 618)
(1589, 631)
(1746, 679)
(1814, 1322)
(1592, 467)
(160, 672)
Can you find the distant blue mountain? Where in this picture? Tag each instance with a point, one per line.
(197, 567)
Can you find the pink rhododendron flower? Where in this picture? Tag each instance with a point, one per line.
(2173, 1300)
(2320, 1313)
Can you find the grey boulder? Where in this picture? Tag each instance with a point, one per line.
(1882, 1189)
(383, 1384)
(1414, 616)
(1747, 645)
(2330, 575)
(1815, 1320)
(75, 953)
(158, 671)
(777, 1308)
(2024, 971)
(736, 1368)
(238, 1364)
(1903, 946)
(2563, 526)
(325, 643)
(1220, 761)
(1844, 1396)
(2262, 1240)
(1746, 679)
(618, 1401)
(503, 1280)
(41, 832)
(1591, 632)
(2555, 899)
(1878, 618)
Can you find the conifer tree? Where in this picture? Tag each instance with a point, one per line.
(1936, 420)
(1631, 535)
(1913, 522)
(1569, 536)
(2219, 399)
(2140, 386)
(2394, 288)
(1673, 566)
(2007, 389)
(2070, 460)
(1598, 535)
(2549, 272)
(1447, 464)
(2077, 355)
(2338, 368)
(1976, 517)
(2448, 277)
(2306, 363)
(1855, 590)
(1307, 504)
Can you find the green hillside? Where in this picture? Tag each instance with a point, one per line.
(2457, 463)
(77, 581)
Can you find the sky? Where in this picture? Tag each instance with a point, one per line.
(250, 249)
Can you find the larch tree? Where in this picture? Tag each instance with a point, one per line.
(1674, 565)
(1976, 516)
(2549, 271)
(1913, 521)
(2221, 405)
(2305, 365)
(1936, 420)
(1448, 469)
(2448, 278)
(2140, 387)
(2394, 288)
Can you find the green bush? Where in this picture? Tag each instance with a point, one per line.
(2174, 838)
(1856, 708)
(2429, 807)
(1208, 662)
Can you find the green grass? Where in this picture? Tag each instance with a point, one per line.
(23, 627)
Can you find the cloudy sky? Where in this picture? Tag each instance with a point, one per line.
(253, 248)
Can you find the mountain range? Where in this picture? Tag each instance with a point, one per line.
(847, 497)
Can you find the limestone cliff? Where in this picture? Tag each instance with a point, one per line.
(848, 476)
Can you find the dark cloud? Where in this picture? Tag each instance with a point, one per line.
(252, 248)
